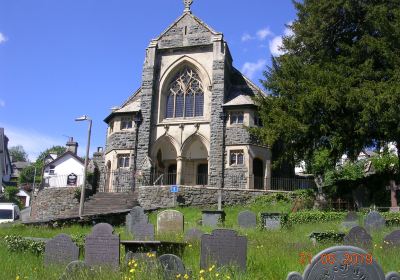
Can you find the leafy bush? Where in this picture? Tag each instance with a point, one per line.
(10, 194)
(328, 236)
(17, 243)
(308, 217)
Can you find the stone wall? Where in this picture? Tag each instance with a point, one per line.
(121, 140)
(52, 202)
(161, 197)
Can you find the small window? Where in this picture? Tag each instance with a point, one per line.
(126, 123)
(123, 161)
(237, 117)
(111, 127)
(257, 120)
(236, 157)
(51, 171)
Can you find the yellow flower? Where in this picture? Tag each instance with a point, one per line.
(17, 278)
(132, 270)
(201, 278)
(186, 276)
(178, 276)
(228, 277)
(202, 271)
(216, 274)
(135, 265)
(190, 245)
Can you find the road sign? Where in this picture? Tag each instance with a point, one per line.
(174, 189)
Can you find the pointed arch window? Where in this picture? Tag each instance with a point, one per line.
(185, 97)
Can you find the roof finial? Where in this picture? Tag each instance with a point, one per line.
(187, 3)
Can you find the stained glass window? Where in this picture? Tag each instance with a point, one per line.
(185, 96)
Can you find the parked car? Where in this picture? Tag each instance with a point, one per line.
(9, 212)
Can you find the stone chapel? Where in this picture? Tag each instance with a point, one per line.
(188, 122)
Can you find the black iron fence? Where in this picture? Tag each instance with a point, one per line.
(123, 181)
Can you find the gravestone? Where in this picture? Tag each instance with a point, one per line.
(271, 221)
(76, 270)
(212, 218)
(392, 240)
(172, 266)
(374, 221)
(329, 264)
(351, 220)
(247, 219)
(193, 235)
(359, 237)
(136, 215)
(60, 250)
(102, 246)
(170, 221)
(223, 247)
(143, 231)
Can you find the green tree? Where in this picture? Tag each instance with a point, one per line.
(18, 153)
(336, 87)
(59, 150)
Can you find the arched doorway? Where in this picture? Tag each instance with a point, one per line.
(202, 174)
(164, 157)
(195, 162)
(258, 174)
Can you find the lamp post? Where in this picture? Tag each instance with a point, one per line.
(84, 118)
(138, 120)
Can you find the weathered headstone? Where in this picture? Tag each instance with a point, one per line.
(374, 221)
(172, 266)
(143, 231)
(271, 221)
(136, 215)
(76, 270)
(211, 218)
(359, 237)
(392, 240)
(193, 235)
(247, 219)
(329, 264)
(60, 250)
(351, 220)
(223, 247)
(170, 221)
(102, 246)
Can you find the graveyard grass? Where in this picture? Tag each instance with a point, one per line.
(271, 254)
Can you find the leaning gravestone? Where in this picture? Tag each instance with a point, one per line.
(172, 266)
(351, 220)
(102, 246)
(374, 221)
(193, 235)
(359, 237)
(330, 264)
(60, 250)
(392, 240)
(76, 270)
(136, 215)
(143, 231)
(170, 221)
(247, 219)
(223, 247)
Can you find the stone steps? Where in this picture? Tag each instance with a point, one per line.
(105, 203)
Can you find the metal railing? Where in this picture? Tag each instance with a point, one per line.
(61, 181)
(291, 184)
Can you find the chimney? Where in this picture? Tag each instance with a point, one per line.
(72, 146)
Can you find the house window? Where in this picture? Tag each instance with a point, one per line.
(126, 123)
(236, 157)
(185, 95)
(123, 161)
(237, 117)
(51, 171)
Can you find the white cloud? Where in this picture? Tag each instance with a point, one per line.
(250, 68)
(247, 37)
(263, 33)
(2, 103)
(2, 38)
(276, 43)
(33, 141)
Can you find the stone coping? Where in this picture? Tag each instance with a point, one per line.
(212, 188)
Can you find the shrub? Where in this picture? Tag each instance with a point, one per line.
(308, 217)
(328, 236)
(17, 243)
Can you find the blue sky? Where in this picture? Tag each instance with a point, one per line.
(62, 59)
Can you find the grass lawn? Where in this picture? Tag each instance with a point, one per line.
(271, 254)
